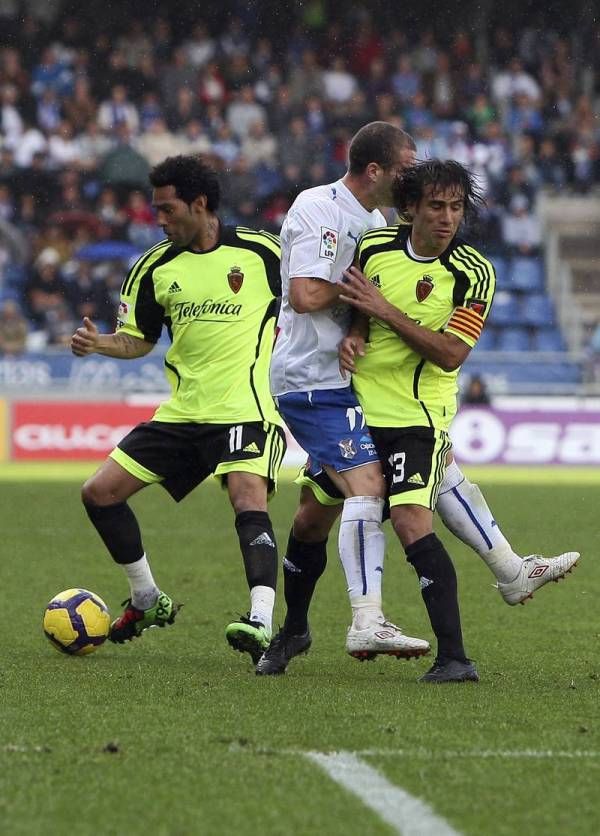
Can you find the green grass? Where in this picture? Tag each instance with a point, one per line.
(174, 734)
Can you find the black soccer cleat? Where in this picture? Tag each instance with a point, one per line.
(281, 651)
(452, 671)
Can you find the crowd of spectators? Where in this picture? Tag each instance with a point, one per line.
(86, 111)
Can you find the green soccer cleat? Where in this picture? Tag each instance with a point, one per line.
(133, 622)
(248, 637)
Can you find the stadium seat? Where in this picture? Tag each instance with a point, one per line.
(502, 272)
(506, 309)
(487, 340)
(547, 339)
(538, 310)
(527, 274)
(513, 339)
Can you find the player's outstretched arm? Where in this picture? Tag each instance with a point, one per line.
(87, 340)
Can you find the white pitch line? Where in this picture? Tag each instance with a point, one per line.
(406, 814)
(474, 754)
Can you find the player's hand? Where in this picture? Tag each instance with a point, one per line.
(358, 291)
(85, 340)
(347, 351)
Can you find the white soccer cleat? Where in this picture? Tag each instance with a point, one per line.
(383, 638)
(535, 572)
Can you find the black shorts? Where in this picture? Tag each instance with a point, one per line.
(181, 456)
(413, 461)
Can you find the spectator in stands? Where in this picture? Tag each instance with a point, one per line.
(521, 229)
(45, 290)
(475, 392)
(11, 122)
(110, 212)
(259, 147)
(141, 229)
(92, 146)
(13, 328)
(182, 108)
(339, 84)
(118, 110)
(157, 142)
(200, 47)
(192, 139)
(243, 111)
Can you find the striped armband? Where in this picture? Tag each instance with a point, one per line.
(466, 322)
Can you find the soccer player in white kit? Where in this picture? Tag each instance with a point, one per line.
(318, 240)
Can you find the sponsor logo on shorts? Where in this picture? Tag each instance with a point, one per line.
(366, 443)
(251, 448)
(416, 479)
(424, 582)
(347, 448)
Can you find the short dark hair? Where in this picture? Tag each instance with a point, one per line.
(376, 142)
(409, 187)
(191, 176)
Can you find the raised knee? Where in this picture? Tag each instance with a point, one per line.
(92, 493)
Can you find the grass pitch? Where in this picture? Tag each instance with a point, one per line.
(174, 734)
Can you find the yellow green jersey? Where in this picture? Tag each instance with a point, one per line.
(396, 386)
(220, 309)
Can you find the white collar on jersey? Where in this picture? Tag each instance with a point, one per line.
(413, 254)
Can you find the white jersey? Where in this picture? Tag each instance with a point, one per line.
(318, 240)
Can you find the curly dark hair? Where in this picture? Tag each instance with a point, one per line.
(409, 187)
(191, 176)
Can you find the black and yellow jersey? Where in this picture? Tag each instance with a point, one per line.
(395, 385)
(220, 308)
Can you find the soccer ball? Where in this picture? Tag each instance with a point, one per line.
(76, 621)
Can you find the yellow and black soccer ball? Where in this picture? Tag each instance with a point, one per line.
(76, 621)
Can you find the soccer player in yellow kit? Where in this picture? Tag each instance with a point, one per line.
(216, 290)
(424, 295)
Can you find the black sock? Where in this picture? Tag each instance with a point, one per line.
(119, 529)
(259, 550)
(439, 590)
(303, 565)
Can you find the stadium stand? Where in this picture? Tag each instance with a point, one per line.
(85, 111)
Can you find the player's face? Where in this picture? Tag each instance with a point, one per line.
(404, 158)
(178, 221)
(436, 219)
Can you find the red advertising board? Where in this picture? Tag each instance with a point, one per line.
(63, 430)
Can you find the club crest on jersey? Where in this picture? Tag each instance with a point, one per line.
(329, 242)
(477, 305)
(235, 277)
(424, 288)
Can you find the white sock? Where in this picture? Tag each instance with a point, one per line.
(361, 545)
(366, 611)
(262, 601)
(464, 511)
(144, 590)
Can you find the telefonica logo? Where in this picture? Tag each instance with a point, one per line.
(189, 311)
